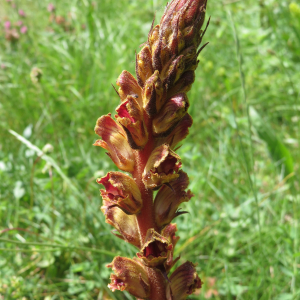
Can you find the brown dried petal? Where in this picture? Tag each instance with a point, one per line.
(169, 198)
(162, 167)
(122, 191)
(130, 276)
(155, 250)
(114, 140)
(125, 224)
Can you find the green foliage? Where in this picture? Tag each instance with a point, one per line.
(243, 225)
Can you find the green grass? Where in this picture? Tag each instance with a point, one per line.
(243, 225)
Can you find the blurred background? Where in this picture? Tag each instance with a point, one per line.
(242, 154)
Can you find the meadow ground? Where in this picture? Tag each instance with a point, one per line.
(242, 154)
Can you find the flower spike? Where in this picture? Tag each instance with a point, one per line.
(151, 121)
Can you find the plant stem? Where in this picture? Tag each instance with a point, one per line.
(146, 219)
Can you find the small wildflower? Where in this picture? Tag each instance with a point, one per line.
(36, 75)
(7, 25)
(47, 149)
(19, 23)
(51, 8)
(24, 29)
(22, 13)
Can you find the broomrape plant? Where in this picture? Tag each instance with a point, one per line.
(150, 122)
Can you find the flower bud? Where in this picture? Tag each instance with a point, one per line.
(144, 67)
(129, 86)
(153, 94)
(174, 71)
(130, 116)
(162, 167)
(129, 275)
(155, 250)
(169, 198)
(125, 224)
(183, 84)
(184, 281)
(179, 133)
(169, 116)
(122, 191)
(114, 140)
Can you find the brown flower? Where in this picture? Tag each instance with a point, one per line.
(114, 140)
(162, 167)
(156, 249)
(129, 275)
(122, 191)
(169, 198)
(184, 281)
(169, 116)
(125, 224)
(130, 116)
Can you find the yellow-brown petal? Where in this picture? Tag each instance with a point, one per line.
(115, 142)
(125, 224)
(122, 191)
